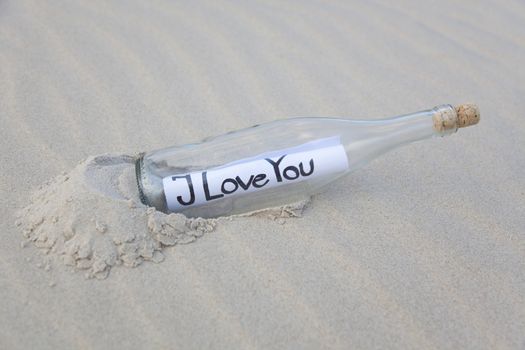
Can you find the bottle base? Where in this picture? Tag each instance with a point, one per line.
(138, 170)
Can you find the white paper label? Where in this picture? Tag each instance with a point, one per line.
(264, 171)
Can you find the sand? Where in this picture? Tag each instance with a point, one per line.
(92, 219)
(422, 248)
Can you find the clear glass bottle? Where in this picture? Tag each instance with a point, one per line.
(279, 162)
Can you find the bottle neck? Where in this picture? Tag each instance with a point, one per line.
(382, 136)
(439, 121)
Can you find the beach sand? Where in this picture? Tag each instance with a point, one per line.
(422, 248)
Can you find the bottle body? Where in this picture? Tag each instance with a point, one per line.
(271, 164)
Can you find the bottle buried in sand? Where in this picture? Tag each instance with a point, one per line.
(280, 162)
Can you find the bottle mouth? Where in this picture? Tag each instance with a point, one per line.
(139, 163)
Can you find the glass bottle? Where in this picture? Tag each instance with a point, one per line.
(280, 162)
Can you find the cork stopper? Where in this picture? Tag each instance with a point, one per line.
(447, 119)
(468, 114)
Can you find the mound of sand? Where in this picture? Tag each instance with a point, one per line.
(91, 219)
